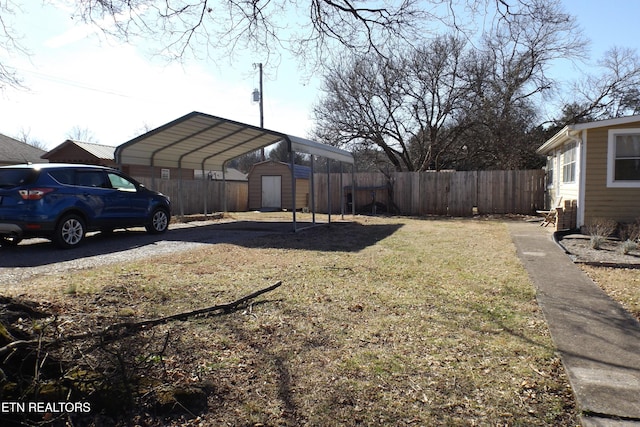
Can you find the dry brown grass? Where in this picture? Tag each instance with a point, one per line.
(382, 321)
(621, 284)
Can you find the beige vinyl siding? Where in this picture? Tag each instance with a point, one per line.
(302, 193)
(600, 201)
(255, 183)
(283, 170)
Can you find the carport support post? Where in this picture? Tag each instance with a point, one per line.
(341, 194)
(293, 188)
(313, 193)
(206, 190)
(181, 193)
(223, 193)
(353, 189)
(329, 188)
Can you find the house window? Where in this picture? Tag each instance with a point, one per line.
(623, 166)
(569, 163)
(550, 163)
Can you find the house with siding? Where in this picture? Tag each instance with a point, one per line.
(14, 152)
(82, 152)
(593, 170)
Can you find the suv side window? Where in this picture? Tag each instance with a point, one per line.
(91, 179)
(121, 183)
(63, 176)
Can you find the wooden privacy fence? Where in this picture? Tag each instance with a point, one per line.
(407, 193)
(435, 193)
(194, 193)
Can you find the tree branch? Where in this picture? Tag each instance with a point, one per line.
(118, 330)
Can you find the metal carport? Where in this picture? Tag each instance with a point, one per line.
(205, 142)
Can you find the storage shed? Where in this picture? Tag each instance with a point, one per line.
(270, 184)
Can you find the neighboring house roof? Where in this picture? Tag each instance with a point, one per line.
(13, 151)
(301, 172)
(230, 174)
(571, 132)
(103, 152)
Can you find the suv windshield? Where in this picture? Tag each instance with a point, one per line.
(10, 178)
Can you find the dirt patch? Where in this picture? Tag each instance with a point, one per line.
(610, 254)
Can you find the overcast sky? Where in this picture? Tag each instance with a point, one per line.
(77, 79)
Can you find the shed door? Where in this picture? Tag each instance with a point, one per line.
(271, 192)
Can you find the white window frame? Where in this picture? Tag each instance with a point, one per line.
(611, 159)
(570, 147)
(552, 173)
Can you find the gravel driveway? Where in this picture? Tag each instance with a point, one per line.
(39, 256)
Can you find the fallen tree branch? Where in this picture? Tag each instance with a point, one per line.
(127, 328)
(226, 308)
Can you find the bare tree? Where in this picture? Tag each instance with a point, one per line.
(9, 44)
(436, 91)
(402, 104)
(613, 92)
(81, 134)
(24, 135)
(308, 29)
(312, 30)
(315, 31)
(451, 104)
(363, 107)
(280, 153)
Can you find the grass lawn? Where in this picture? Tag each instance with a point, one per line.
(621, 284)
(380, 321)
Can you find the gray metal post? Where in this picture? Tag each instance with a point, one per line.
(224, 189)
(329, 188)
(293, 189)
(313, 192)
(353, 189)
(180, 192)
(205, 187)
(341, 194)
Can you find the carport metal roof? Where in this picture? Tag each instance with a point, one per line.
(202, 141)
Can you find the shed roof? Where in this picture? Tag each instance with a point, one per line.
(570, 132)
(99, 151)
(202, 141)
(299, 171)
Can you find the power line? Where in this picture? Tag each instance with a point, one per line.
(67, 82)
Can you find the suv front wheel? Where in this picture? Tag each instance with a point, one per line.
(158, 222)
(69, 231)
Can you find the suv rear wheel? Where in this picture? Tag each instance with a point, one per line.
(69, 231)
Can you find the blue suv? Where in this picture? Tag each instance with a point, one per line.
(62, 202)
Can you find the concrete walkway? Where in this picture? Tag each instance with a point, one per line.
(598, 341)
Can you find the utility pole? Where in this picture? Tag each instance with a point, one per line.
(258, 93)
